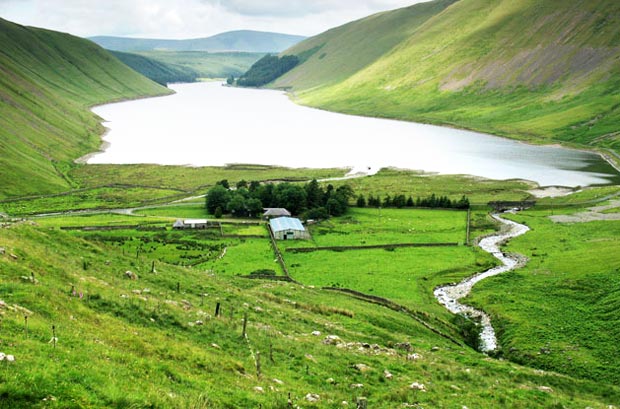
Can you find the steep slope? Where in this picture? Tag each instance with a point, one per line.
(158, 71)
(242, 40)
(527, 69)
(47, 82)
(341, 52)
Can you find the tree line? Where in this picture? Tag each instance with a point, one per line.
(266, 70)
(310, 201)
(400, 201)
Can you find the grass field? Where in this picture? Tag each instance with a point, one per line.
(160, 331)
(560, 311)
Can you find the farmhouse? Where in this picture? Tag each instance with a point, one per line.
(288, 228)
(190, 224)
(271, 212)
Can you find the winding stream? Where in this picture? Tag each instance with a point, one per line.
(449, 295)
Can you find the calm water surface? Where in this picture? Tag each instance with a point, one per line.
(206, 124)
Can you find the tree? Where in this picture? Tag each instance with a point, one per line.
(361, 201)
(242, 183)
(236, 206)
(218, 213)
(254, 207)
(230, 80)
(399, 201)
(217, 196)
(291, 197)
(224, 183)
(314, 194)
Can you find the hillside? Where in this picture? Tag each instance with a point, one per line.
(540, 71)
(206, 64)
(242, 40)
(48, 81)
(336, 54)
(160, 72)
(106, 327)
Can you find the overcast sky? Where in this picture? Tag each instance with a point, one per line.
(189, 18)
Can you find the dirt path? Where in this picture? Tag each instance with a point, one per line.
(449, 295)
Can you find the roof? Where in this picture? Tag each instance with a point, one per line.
(276, 211)
(286, 223)
(195, 221)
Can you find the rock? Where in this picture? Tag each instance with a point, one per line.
(10, 358)
(2, 356)
(362, 367)
(365, 345)
(2, 251)
(434, 349)
(332, 340)
(258, 309)
(13, 256)
(312, 397)
(545, 389)
(418, 387)
(316, 333)
(413, 357)
(387, 374)
(200, 322)
(330, 381)
(216, 346)
(404, 345)
(310, 357)
(131, 275)
(345, 403)
(259, 389)
(279, 382)
(357, 385)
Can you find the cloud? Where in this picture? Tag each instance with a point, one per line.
(189, 18)
(300, 8)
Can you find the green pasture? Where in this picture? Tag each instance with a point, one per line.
(559, 312)
(391, 226)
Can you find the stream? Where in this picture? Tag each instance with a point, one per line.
(449, 295)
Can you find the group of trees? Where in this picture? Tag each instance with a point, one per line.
(400, 201)
(311, 200)
(267, 69)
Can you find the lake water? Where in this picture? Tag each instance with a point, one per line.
(206, 124)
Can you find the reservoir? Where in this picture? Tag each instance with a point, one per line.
(207, 124)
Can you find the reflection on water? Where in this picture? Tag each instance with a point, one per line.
(206, 124)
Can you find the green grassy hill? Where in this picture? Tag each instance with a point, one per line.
(152, 339)
(540, 71)
(48, 80)
(337, 54)
(158, 71)
(241, 40)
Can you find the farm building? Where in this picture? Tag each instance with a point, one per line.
(272, 212)
(288, 228)
(190, 224)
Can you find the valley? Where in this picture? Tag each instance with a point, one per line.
(119, 288)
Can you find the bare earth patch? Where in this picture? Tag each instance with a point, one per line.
(593, 214)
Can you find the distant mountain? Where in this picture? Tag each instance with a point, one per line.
(243, 40)
(533, 70)
(48, 82)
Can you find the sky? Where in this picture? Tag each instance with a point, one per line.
(182, 19)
